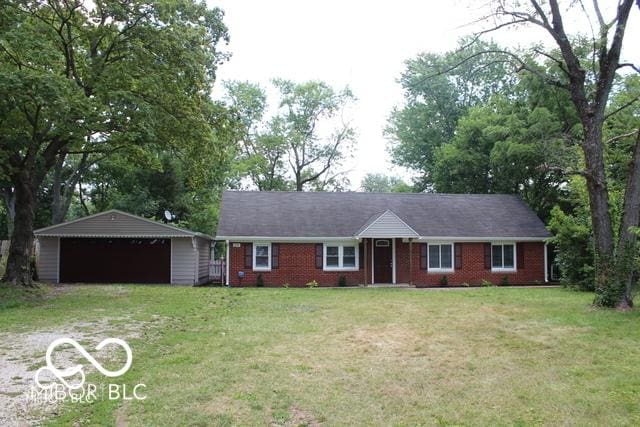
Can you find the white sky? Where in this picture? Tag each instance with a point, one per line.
(356, 43)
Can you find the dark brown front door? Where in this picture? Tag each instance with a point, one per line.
(382, 261)
(102, 260)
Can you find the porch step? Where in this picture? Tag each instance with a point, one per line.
(390, 285)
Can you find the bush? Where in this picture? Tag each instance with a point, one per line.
(464, 284)
(444, 281)
(342, 281)
(259, 281)
(504, 281)
(486, 284)
(286, 285)
(312, 284)
(574, 249)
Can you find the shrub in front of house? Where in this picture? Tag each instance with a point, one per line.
(312, 284)
(259, 281)
(444, 281)
(342, 280)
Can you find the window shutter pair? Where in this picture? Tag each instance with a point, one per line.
(319, 251)
(248, 255)
(423, 256)
(520, 255)
(487, 256)
(457, 252)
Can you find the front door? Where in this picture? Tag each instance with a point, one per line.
(382, 261)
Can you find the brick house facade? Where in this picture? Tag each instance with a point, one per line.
(298, 267)
(424, 240)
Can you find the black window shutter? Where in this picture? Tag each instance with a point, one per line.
(520, 255)
(319, 250)
(487, 256)
(423, 256)
(457, 248)
(248, 255)
(275, 255)
(361, 255)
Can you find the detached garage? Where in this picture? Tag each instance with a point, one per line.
(117, 247)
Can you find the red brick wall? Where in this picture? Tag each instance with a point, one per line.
(297, 267)
(472, 271)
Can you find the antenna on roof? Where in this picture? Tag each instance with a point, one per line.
(169, 216)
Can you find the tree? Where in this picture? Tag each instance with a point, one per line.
(81, 78)
(589, 84)
(302, 145)
(439, 89)
(378, 182)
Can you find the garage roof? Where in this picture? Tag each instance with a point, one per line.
(115, 223)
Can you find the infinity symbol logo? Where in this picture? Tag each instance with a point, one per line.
(61, 374)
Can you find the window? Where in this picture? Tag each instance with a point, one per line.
(503, 256)
(440, 257)
(340, 256)
(262, 256)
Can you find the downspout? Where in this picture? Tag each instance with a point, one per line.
(410, 262)
(226, 265)
(546, 269)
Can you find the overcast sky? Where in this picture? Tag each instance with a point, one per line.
(360, 44)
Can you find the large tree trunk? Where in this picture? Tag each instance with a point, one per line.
(627, 249)
(599, 207)
(18, 272)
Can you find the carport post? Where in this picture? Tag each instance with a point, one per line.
(226, 265)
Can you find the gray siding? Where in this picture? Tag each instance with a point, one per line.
(204, 253)
(183, 261)
(47, 262)
(113, 224)
(387, 225)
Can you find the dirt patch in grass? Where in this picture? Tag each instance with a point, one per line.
(23, 353)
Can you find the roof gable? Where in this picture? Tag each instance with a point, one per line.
(115, 223)
(387, 224)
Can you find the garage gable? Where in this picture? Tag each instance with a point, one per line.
(115, 223)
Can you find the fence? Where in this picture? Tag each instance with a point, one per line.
(217, 270)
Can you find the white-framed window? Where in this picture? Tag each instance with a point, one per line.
(341, 256)
(262, 256)
(440, 257)
(503, 256)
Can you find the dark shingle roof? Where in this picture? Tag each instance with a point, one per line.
(320, 214)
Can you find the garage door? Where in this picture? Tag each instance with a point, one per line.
(115, 260)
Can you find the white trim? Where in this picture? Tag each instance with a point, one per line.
(484, 239)
(412, 232)
(340, 246)
(186, 233)
(393, 261)
(546, 274)
(440, 269)
(171, 261)
(372, 257)
(515, 258)
(226, 264)
(310, 239)
(58, 269)
(338, 239)
(254, 246)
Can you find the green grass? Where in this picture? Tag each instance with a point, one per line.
(359, 356)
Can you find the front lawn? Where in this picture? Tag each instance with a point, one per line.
(354, 356)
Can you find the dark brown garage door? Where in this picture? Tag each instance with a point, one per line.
(115, 260)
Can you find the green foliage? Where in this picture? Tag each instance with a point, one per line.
(444, 281)
(311, 284)
(342, 280)
(378, 182)
(259, 281)
(299, 147)
(573, 239)
(286, 285)
(504, 281)
(486, 283)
